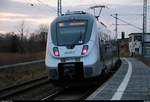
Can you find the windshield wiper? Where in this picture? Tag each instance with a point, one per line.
(80, 38)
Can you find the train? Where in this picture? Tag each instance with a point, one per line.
(78, 47)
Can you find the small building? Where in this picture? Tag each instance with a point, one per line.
(135, 44)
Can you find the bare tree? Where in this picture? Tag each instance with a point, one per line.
(22, 28)
(43, 28)
(42, 37)
(42, 31)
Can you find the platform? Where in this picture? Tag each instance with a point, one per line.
(130, 82)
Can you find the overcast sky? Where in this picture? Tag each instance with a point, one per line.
(44, 11)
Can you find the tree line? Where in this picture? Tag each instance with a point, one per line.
(19, 43)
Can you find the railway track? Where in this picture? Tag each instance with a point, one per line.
(77, 93)
(42, 89)
(13, 90)
(81, 93)
(71, 93)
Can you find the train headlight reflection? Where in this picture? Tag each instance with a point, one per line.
(56, 51)
(84, 50)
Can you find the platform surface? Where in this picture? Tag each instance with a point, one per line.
(130, 82)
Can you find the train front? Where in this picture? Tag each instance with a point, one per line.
(71, 49)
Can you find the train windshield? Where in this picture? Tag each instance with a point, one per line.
(71, 32)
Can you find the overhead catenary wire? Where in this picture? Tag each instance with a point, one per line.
(46, 5)
(39, 4)
(127, 23)
(131, 14)
(31, 4)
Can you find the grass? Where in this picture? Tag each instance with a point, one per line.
(11, 58)
(17, 75)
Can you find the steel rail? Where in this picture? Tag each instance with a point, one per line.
(22, 64)
(7, 92)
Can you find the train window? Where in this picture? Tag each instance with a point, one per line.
(136, 49)
(130, 39)
(71, 32)
(138, 38)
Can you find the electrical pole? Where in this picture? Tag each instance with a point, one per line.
(59, 8)
(116, 25)
(145, 16)
(144, 23)
(116, 32)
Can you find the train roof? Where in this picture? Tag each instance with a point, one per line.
(75, 15)
(79, 15)
(137, 34)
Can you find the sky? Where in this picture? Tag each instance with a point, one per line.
(12, 12)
